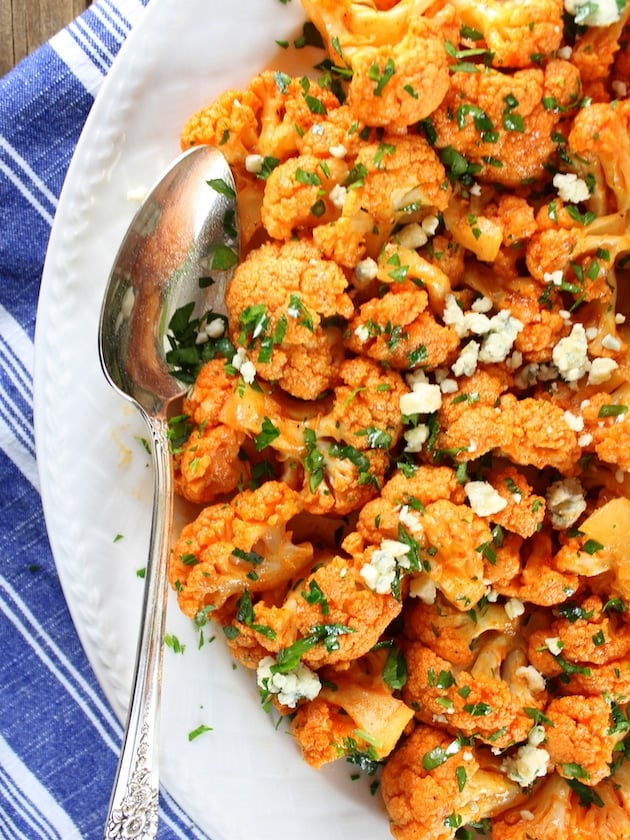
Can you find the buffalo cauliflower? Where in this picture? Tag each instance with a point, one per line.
(435, 783)
(282, 304)
(406, 447)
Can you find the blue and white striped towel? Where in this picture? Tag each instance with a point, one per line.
(59, 740)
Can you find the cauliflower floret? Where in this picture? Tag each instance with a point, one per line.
(487, 699)
(525, 510)
(509, 144)
(598, 40)
(398, 329)
(452, 634)
(538, 578)
(215, 555)
(579, 738)
(365, 410)
(529, 431)
(208, 462)
(397, 179)
(600, 146)
(300, 194)
(229, 122)
(433, 783)
(514, 31)
(563, 809)
(601, 547)
(278, 301)
(396, 55)
(356, 713)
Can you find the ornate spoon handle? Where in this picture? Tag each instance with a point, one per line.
(133, 808)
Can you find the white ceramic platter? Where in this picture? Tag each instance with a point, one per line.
(244, 780)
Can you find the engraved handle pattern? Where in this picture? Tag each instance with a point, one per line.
(134, 804)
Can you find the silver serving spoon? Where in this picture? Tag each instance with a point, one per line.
(180, 249)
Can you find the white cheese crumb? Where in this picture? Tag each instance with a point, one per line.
(254, 164)
(416, 438)
(410, 519)
(299, 683)
(555, 277)
(448, 386)
(244, 366)
(338, 196)
(362, 332)
(497, 344)
(529, 763)
(599, 13)
(554, 645)
(367, 269)
(585, 440)
(453, 316)
(466, 362)
(601, 370)
(483, 498)
(620, 318)
(379, 574)
(339, 151)
(482, 304)
(248, 372)
(619, 88)
(425, 398)
(574, 421)
(514, 608)
(214, 328)
(565, 502)
(571, 188)
(611, 342)
(570, 355)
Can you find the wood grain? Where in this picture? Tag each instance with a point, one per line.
(25, 24)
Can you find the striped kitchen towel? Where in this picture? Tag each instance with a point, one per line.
(59, 739)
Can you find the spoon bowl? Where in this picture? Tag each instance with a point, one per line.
(176, 256)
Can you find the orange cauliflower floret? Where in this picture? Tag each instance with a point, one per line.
(355, 715)
(563, 809)
(599, 143)
(300, 194)
(579, 739)
(433, 784)
(538, 578)
(499, 122)
(278, 303)
(229, 122)
(525, 510)
(399, 68)
(397, 329)
(365, 410)
(336, 449)
(488, 699)
(393, 181)
(514, 31)
(330, 617)
(208, 462)
(445, 540)
(594, 54)
(232, 547)
(450, 633)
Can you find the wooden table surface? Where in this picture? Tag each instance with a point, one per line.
(25, 24)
